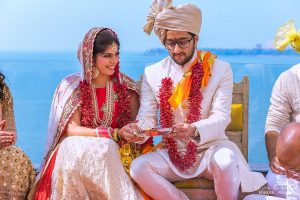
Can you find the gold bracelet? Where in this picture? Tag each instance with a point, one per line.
(116, 135)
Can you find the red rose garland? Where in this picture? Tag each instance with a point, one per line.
(195, 97)
(166, 115)
(185, 160)
(88, 113)
(180, 160)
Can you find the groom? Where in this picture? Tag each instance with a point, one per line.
(193, 91)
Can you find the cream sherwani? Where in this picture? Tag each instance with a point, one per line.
(215, 116)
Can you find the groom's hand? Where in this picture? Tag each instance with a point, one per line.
(183, 130)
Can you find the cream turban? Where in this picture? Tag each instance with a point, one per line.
(163, 16)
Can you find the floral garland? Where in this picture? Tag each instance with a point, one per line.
(195, 97)
(166, 116)
(181, 161)
(124, 102)
(185, 160)
(87, 112)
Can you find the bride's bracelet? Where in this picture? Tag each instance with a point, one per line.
(115, 135)
(97, 132)
(104, 132)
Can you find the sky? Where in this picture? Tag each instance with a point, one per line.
(60, 25)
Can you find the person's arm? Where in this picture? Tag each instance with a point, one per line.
(74, 127)
(271, 141)
(279, 114)
(126, 131)
(147, 115)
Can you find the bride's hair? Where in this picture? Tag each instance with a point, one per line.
(103, 39)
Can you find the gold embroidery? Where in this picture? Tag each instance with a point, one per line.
(17, 173)
(104, 107)
(131, 84)
(72, 103)
(87, 54)
(108, 106)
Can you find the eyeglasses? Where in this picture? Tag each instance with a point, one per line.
(182, 43)
(284, 171)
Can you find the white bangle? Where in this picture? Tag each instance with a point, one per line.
(97, 132)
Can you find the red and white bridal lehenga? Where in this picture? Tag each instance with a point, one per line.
(78, 167)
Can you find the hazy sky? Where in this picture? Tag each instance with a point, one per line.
(61, 24)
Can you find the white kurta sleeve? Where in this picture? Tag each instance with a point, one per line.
(213, 127)
(279, 113)
(147, 115)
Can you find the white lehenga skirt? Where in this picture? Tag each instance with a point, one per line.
(90, 168)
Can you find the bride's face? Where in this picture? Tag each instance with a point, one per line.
(107, 61)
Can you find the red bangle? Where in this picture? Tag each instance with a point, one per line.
(103, 132)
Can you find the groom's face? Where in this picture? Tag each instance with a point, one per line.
(181, 45)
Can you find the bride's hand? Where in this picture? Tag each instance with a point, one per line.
(127, 132)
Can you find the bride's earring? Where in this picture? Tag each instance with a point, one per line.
(95, 72)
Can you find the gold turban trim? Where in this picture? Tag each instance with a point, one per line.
(287, 34)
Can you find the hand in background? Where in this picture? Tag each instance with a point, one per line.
(7, 138)
(275, 167)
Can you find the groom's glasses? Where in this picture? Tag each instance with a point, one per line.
(182, 43)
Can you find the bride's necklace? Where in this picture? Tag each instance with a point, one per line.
(108, 106)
